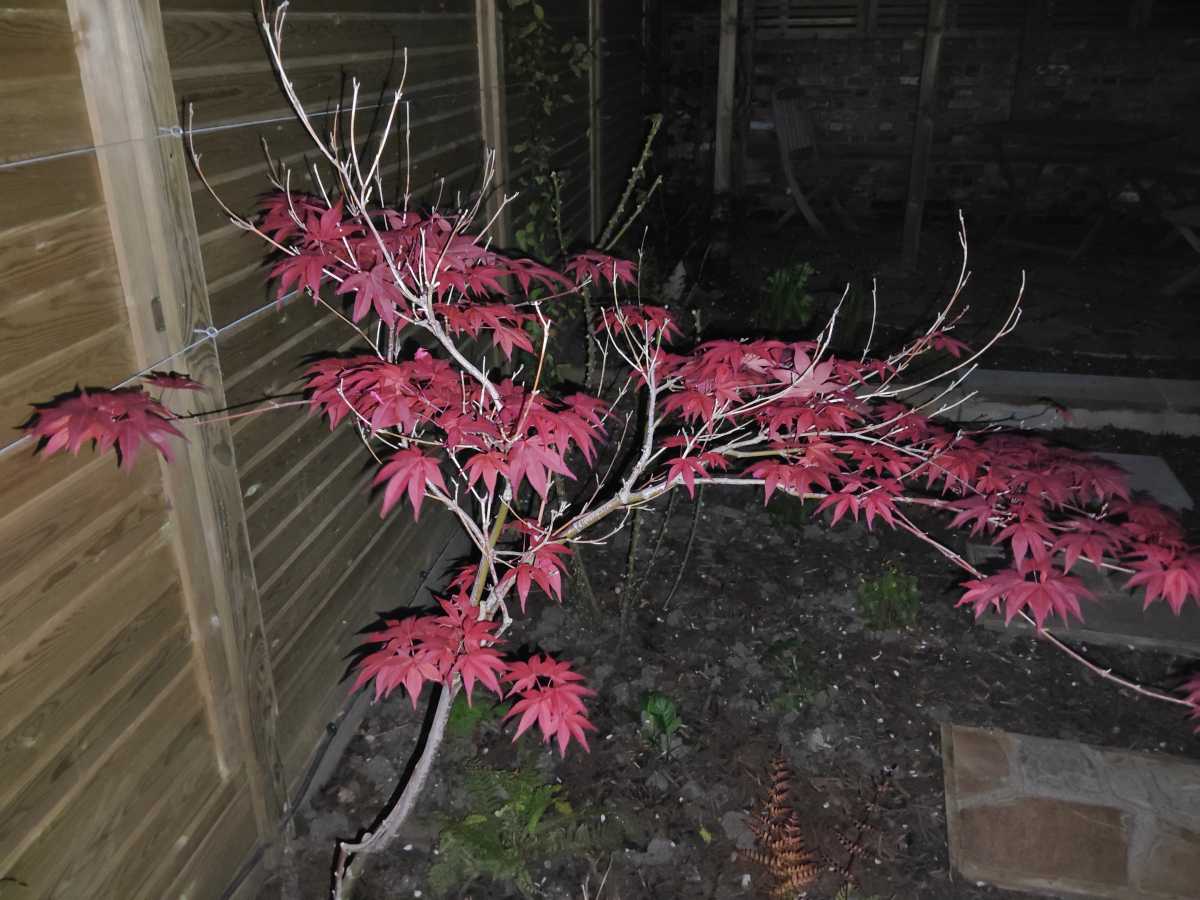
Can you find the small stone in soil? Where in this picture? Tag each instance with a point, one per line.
(381, 772)
(733, 823)
(659, 852)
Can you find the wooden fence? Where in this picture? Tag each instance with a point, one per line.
(173, 639)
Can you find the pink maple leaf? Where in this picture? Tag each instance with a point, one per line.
(409, 471)
(551, 697)
(173, 380)
(125, 418)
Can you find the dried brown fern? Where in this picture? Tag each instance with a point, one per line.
(782, 850)
(854, 840)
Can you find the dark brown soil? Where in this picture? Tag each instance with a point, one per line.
(763, 649)
(860, 701)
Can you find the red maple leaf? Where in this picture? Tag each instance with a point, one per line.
(1087, 539)
(408, 471)
(125, 419)
(1048, 592)
(1171, 577)
(374, 289)
(532, 459)
(173, 380)
(488, 466)
(1028, 537)
(686, 468)
(544, 569)
(407, 657)
(599, 267)
(304, 270)
(325, 226)
(551, 697)
(1191, 689)
(477, 658)
(939, 340)
(977, 509)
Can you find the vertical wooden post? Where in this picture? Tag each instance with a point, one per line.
(489, 35)
(745, 92)
(868, 16)
(131, 106)
(1030, 49)
(918, 178)
(595, 147)
(1140, 13)
(726, 66)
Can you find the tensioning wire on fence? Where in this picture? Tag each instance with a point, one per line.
(171, 132)
(207, 333)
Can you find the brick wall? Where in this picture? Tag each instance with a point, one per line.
(862, 89)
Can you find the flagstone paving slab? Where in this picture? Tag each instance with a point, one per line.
(1058, 817)
(1151, 475)
(1116, 617)
(1113, 618)
(1038, 399)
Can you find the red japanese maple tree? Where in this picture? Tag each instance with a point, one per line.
(454, 426)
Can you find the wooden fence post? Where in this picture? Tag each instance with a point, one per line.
(131, 107)
(595, 147)
(918, 179)
(747, 32)
(726, 67)
(1032, 37)
(489, 34)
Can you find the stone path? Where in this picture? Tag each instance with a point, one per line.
(1116, 617)
(1042, 815)
(1152, 475)
(1027, 399)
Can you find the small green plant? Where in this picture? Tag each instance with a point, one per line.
(552, 68)
(891, 600)
(787, 305)
(788, 511)
(847, 892)
(514, 819)
(793, 661)
(466, 718)
(661, 722)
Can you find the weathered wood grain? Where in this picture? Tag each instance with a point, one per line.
(382, 7)
(42, 324)
(51, 755)
(431, 159)
(278, 494)
(201, 43)
(68, 641)
(168, 754)
(242, 98)
(290, 584)
(220, 835)
(127, 88)
(41, 117)
(330, 633)
(492, 112)
(101, 359)
(36, 44)
(47, 190)
(87, 548)
(348, 481)
(54, 251)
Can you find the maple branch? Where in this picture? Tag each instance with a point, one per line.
(1040, 630)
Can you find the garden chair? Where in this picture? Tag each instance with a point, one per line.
(797, 138)
(1186, 222)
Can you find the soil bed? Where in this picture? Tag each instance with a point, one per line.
(765, 648)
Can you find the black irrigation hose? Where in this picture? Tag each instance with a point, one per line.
(331, 730)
